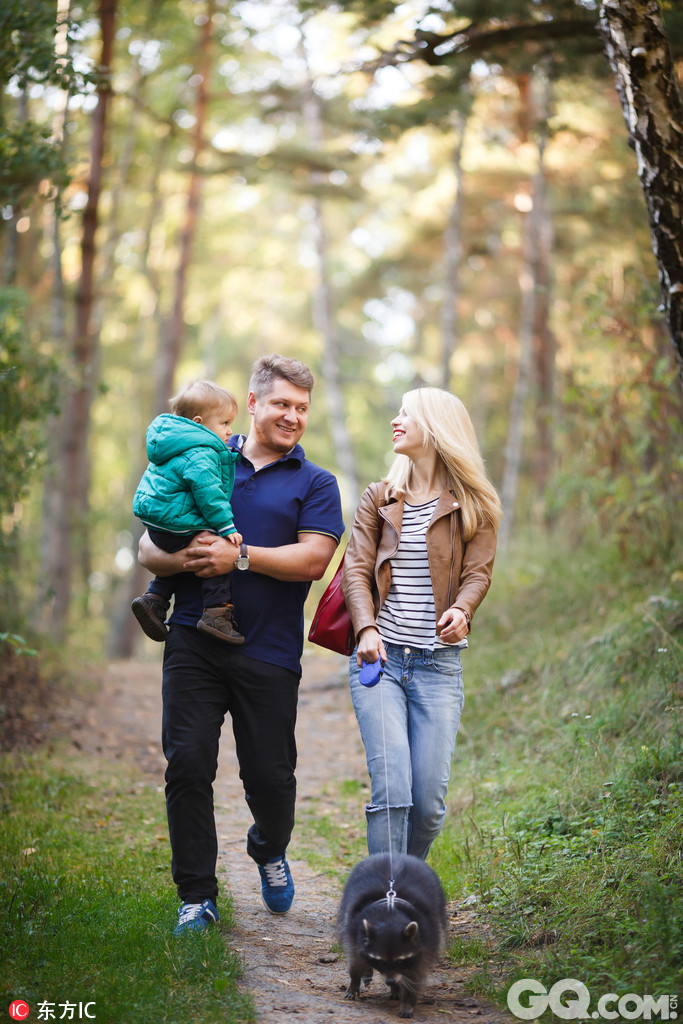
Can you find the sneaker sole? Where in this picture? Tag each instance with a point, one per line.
(277, 913)
(151, 627)
(203, 628)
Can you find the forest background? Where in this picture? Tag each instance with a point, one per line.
(395, 193)
(486, 196)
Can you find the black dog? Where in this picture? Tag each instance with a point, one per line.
(399, 934)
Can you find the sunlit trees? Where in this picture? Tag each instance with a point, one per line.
(395, 193)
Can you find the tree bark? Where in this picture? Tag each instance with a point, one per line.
(640, 57)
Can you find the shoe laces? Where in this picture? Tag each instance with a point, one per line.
(189, 912)
(276, 873)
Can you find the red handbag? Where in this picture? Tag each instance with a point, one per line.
(331, 626)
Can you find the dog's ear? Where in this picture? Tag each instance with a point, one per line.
(410, 932)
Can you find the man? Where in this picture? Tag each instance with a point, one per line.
(289, 512)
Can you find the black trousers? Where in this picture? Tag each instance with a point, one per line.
(203, 680)
(216, 590)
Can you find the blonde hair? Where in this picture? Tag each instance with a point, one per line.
(201, 397)
(446, 424)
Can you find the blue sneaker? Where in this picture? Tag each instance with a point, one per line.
(195, 917)
(277, 887)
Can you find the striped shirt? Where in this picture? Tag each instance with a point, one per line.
(408, 616)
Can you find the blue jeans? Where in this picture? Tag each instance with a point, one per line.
(411, 716)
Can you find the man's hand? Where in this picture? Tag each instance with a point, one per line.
(210, 555)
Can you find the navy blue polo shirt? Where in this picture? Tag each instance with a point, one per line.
(271, 506)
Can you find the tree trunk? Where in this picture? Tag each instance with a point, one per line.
(71, 547)
(174, 334)
(125, 630)
(54, 522)
(323, 319)
(452, 261)
(529, 286)
(638, 51)
(544, 347)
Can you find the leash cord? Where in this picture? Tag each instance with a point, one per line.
(391, 895)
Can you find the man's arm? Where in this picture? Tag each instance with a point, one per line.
(161, 563)
(306, 560)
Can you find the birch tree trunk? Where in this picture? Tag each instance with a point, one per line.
(70, 545)
(639, 54)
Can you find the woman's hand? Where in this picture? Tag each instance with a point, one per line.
(370, 646)
(452, 626)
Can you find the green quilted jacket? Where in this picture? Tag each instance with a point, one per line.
(189, 480)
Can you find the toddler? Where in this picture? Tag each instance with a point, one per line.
(185, 489)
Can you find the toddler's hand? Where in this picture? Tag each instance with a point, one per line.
(235, 538)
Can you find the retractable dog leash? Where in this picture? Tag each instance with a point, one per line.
(369, 675)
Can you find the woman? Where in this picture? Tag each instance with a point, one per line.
(417, 567)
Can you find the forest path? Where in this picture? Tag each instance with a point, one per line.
(290, 963)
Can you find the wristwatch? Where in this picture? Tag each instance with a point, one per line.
(243, 561)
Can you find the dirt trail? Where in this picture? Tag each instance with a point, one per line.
(290, 966)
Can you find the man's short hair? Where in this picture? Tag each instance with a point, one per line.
(268, 369)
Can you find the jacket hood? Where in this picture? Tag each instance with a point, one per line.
(169, 436)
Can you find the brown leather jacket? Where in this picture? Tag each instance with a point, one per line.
(461, 573)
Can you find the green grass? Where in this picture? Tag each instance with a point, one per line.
(566, 801)
(87, 907)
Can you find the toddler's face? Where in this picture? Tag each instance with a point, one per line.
(220, 421)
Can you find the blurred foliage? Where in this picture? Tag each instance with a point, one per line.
(385, 176)
(27, 155)
(28, 395)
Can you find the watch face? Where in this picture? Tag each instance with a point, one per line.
(242, 562)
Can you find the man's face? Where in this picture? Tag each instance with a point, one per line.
(280, 416)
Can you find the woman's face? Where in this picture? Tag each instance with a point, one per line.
(407, 435)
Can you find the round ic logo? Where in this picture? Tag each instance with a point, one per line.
(19, 1009)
